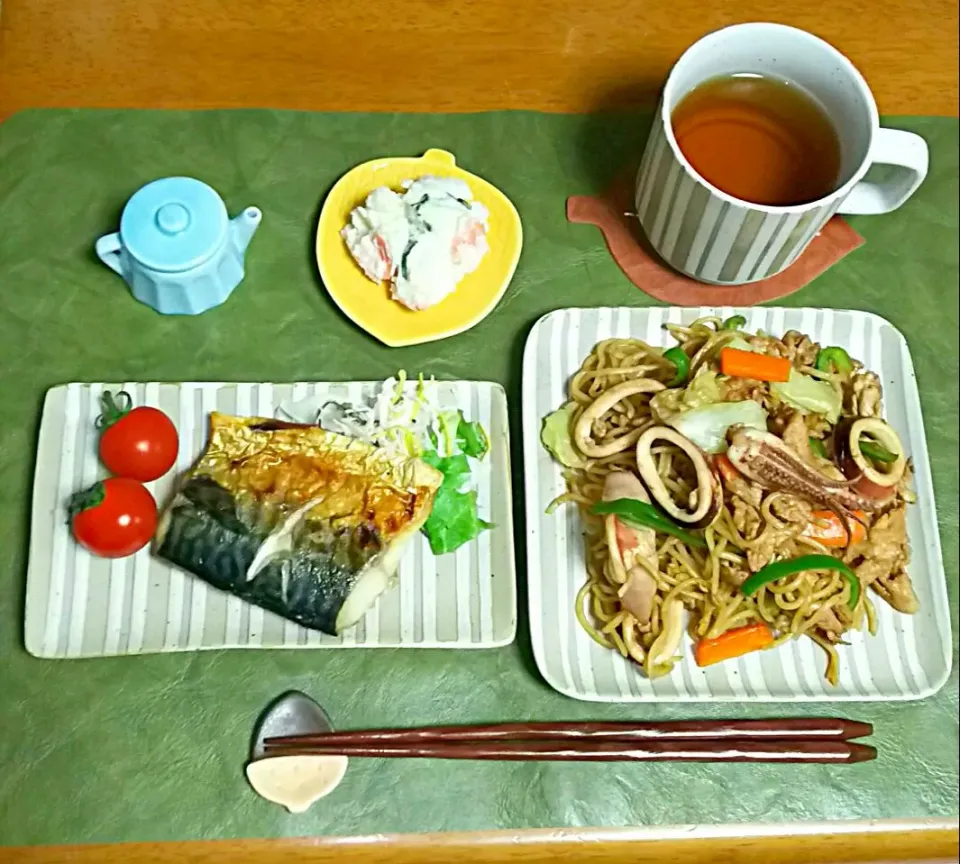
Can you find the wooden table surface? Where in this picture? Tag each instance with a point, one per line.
(432, 55)
(931, 846)
(450, 55)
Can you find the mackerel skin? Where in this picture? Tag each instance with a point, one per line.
(207, 534)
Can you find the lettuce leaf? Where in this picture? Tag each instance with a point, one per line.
(472, 438)
(453, 520)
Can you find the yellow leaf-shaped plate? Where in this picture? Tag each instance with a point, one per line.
(369, 305)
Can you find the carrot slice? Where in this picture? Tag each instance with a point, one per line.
(825, 527)
(749, 364)
(733, 643)
(725, 467)
(626, 538)
(383, 252)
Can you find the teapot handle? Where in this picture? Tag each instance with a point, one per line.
(108, 251)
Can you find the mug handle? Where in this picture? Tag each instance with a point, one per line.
(108, 251)
(908, 155)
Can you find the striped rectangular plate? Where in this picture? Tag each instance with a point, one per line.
(82, 606)
(910, 656)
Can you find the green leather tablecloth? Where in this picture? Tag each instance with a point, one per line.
(153, 747)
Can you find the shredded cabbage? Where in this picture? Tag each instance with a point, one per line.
(401, 417)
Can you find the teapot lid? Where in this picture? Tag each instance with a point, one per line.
(173, 224)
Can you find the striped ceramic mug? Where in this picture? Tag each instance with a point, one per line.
(716, 238)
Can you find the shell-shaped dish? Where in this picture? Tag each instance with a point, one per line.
(369, 305)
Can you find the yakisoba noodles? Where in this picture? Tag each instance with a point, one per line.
(723, 465)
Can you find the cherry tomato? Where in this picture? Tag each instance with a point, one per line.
(113, 518)
(136, 442)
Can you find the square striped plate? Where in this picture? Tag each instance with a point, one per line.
(910, 656)
(79, 605)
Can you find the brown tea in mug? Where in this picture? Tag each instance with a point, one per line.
(758, 139)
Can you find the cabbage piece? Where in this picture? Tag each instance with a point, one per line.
(704, 389)
(809, 394)
(707, 426)
(555, 436)
(742, 345)
(665, 651)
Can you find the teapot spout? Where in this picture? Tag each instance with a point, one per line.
(244, 226)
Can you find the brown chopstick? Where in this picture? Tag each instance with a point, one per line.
(808, 729)
(768, 750)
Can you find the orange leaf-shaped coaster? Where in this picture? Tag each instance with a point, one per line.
(644, 268)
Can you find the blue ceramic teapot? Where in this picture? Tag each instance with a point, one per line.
(176, 248)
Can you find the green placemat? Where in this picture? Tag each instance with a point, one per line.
(143, 748)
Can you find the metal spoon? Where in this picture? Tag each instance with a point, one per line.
(293, 713)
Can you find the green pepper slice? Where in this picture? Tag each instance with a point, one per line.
(876, 452)
(644, 515)
(779, 569)
(734, 322)
(679, 358)
(816, 445)
(834, 358)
